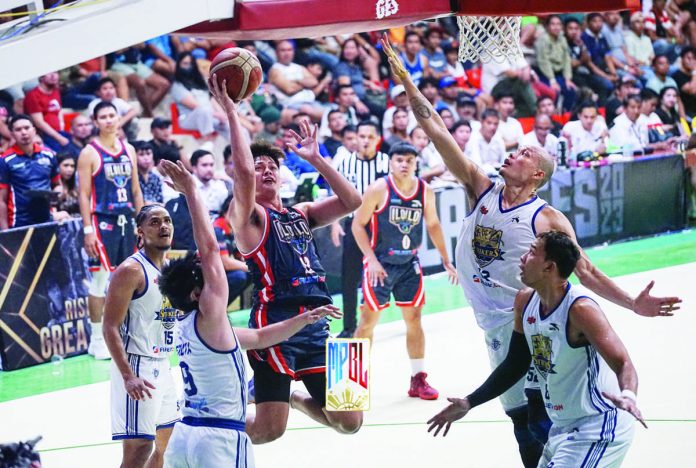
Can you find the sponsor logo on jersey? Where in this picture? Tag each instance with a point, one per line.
(542, 355)
(554, 326)
(347, 374)
(162, 349)
(484, 282)
(118, 172)
(296, 233)
(483, 210)
(487, 245)
(405, 219)
(531, 320)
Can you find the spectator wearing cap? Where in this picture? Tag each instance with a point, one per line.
(272, 133)
(106, 92)
(601, 63)
(25, 167)
(613, 31)
(437, 62)
(449, 92)
(413, 58)
(488, 143)
(213, 191)
(685, 78)
(660, 78)
(43, 105)
(82, 132)
(553, 61)
(625, 86)
(150, 182)
(347, 102)
(163, 145)
(509, 128)
(541, 135)
(400, 101)
(639, 46)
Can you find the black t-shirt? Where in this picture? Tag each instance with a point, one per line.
(167, 150)
(332, 145)
(688, 99)
(183, 226)
(612, 107)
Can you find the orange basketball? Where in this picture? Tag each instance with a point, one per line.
(240, 68)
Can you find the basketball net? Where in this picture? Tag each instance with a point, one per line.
(489, 38)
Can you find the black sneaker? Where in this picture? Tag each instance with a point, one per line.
(346, 334)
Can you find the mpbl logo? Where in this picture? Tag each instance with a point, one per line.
(347, 374)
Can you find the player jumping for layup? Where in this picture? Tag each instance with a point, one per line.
(395, 207)
(279, 248)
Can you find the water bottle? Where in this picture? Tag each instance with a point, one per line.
(562, 152)
(57, 362)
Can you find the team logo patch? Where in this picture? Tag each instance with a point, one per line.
(542, 355)
(495, 344)
(487, 245)
(405, 219)
(295, 232)
(118, 172)
(167, 314)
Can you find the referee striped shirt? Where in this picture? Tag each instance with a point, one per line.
(363, 172)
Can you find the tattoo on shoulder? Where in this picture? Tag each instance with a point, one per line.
(421, 108)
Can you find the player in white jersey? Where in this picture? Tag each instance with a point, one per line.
(212, 431)
(139, 330)
(589, 382)
(504, 219)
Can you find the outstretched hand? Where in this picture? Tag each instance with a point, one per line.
(307, 145)
(626, 404)
(316, 314)
(458, 408)
(395, 63)
(219, 92)
(650, 306)
(181, 179)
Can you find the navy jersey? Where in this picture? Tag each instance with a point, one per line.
(19, 174)
(285, 266)
(396, 230)
(112, 191)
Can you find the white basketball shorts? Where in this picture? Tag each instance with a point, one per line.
(208, 447)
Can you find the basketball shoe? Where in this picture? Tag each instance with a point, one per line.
(97, 348)
(422, 389)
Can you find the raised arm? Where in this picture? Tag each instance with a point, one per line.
(432, 224)
(373, 198)
(474, 179)
(596, 281)
(346, 198)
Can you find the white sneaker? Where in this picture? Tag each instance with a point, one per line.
(97, 348)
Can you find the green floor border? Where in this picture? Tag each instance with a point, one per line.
(614, 260)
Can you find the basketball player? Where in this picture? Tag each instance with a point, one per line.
(211, 433)
(279, 249)
(503, 222)
(139, 330)
(109, 196)
(395, 207)
(587, 375)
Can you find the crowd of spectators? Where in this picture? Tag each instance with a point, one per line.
(612, 82)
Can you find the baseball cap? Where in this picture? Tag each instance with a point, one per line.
(160, 122)
(396, 90)
(447, 81)
(270, 115)
(465, 101)
(627, 79)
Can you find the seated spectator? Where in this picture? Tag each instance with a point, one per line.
(435, 170)
(661, 31)
(293, 82)
(449, 92)
(324, 80)
(685, 78)
(163, 144)
(128, 62)
(580, 61)
(399, 130)
(546, 106)
(349, 144)
(467, 110)
(337, 122)
(25, 167)
(433, 52)
(510, 78)
(669, 110)
(44, 106)
(106, 91)
(684, 12)
(197, 110)
(613, 32)
(272, 132)
(159, 53)
(213, 191)
(625, 86)
(347, 102)
(235, 268)
(78, 87)
(630, 131)
(509, 128)
(413, 57)
(150, 182)
(447, 117)
(639, 46)
(541, 135)
(358, 68)
(553, 61)
(488, 143)
(400, 101)
(82, 132)
(429, 88)
(68, 204)
(660, 77)
(649, 101)
(601, 65)
(587, 133)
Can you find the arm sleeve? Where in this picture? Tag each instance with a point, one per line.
(506, 374)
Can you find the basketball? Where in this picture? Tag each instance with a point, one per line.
(240, 68)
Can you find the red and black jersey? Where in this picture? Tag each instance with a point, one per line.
(112, 191)
(285, 266)
(20, 174)
(396, 228)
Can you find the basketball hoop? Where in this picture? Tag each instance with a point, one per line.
(489, 38)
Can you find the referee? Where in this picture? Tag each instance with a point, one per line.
(361, 168)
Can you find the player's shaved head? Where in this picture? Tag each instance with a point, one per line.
(547, 163)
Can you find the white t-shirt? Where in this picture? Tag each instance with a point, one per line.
(492, 72)
(510, 130)
(122, 107)
(325, 131)
(431, 158)
(551, 144)
(582, 140)
(214, 193)
(388, 122)
(292, 72)
(624, 132)
(492, 154)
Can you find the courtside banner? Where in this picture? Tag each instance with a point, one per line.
(43, 294)
(347, 374)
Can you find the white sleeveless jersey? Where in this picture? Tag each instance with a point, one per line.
(214, 381)
(490, 246)
(572, 379)
(149, 326)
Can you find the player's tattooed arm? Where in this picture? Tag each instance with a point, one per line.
(421, 107)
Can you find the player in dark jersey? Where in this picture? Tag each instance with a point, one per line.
(278, 246)
(107, 205)
(395, 207)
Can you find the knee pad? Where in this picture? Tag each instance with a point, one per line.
(530, 448)
(99, 283)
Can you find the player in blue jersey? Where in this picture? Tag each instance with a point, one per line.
(212, 431)
(109, 198)
(395, 207)
(278, 245)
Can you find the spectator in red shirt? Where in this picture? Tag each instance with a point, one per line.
(44, 106)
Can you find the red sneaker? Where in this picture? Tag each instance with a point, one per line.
(421, 389)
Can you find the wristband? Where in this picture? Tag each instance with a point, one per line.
(629, 394)
(88, 230)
